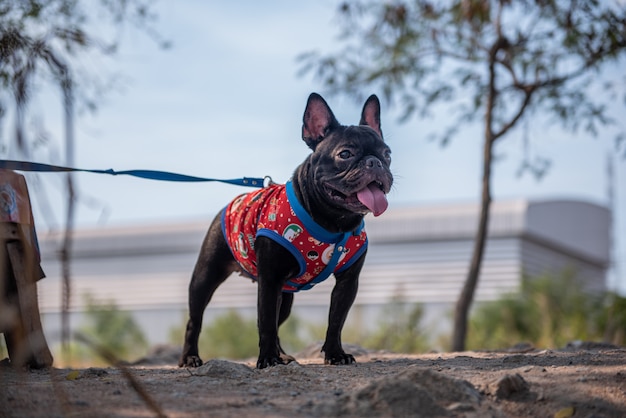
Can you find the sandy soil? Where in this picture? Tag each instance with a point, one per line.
(586, 380)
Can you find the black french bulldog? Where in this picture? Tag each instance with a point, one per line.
(290, 237)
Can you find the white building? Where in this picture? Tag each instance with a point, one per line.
(420, 254)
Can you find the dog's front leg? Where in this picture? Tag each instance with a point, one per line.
(341, 300)
(274, 265)
(269, 300)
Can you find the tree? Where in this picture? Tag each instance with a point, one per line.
(499, 60)
(42, 42)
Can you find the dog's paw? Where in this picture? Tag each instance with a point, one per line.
(190, 361)
(339, 358)
(264, 362)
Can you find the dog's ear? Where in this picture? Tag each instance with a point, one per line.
(370, 115)
(318, 121)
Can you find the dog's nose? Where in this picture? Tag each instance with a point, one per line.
(373, 162)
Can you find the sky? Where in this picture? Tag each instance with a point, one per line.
(226, 101)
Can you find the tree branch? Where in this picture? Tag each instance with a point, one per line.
(527, 96)
(529, 89)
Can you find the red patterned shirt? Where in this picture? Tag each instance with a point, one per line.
(274, 212)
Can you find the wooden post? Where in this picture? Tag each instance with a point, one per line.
(19, 273)
(32, 349)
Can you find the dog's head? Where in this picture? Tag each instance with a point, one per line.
(347, 175)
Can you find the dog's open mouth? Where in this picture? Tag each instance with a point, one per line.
(371, 197)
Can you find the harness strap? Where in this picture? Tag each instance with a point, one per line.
(328, 270)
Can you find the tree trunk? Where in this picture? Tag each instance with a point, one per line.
(459, 333)
(66, 248)
(467, 295)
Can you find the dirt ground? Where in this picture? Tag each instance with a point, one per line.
(583, 380)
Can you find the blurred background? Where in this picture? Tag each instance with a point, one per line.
(219, 92)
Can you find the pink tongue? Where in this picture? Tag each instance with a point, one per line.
(373, 198)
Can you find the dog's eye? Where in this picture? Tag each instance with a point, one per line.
(345, 154)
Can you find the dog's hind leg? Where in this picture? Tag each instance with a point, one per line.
(283, 314)
(215, 263)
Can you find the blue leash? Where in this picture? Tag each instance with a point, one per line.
(144, 174)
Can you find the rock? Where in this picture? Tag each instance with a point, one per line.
(223, 368)
(160, 355)
(509, 386)
(522, 347)
(443, 387)
(385, 398)
(416, 392)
